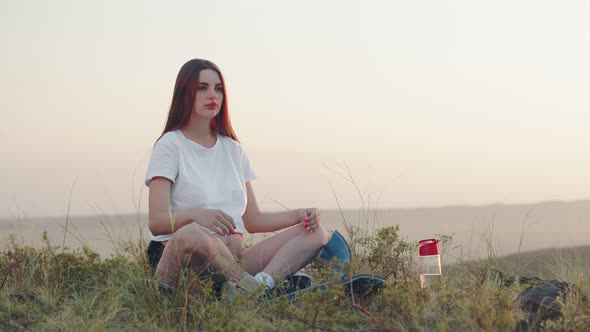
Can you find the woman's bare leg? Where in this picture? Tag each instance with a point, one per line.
(204, 253)
(284, 253)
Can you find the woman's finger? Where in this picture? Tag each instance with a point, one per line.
(227, 225)
(315, 215)
(312, 213)
(229, 219)
(223, 226)
(219, 231)
(310, 225)
(302, 213)
(311, 221)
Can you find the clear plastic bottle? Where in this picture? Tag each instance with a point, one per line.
(430, 261)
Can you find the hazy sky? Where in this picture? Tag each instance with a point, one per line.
(428, 103)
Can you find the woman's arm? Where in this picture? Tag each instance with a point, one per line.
(162, 220)
(259, 222)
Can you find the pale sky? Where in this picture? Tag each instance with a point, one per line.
(428, 103)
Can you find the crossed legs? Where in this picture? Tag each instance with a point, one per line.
(284, 253)
(279, 255)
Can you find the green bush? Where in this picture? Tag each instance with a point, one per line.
(55, 288)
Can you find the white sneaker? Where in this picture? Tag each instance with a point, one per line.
(245, 287)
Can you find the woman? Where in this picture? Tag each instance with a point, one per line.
(201, 198)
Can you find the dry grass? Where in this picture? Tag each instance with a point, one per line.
(56, 288)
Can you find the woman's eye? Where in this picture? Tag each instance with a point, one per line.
(202, 88)
(219, 89)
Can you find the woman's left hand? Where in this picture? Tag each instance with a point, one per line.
(310, 218)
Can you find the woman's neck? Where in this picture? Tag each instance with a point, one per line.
(200, 133)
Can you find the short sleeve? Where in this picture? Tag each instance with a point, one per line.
(249, 173)
(164, 160)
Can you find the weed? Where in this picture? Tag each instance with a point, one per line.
(58, 288)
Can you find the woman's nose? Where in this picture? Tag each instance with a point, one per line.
(212, 93)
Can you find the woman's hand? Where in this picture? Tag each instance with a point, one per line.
(310, 218)
(217, 221)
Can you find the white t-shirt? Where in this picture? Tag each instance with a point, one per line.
(211, 178)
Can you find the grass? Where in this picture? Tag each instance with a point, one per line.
(57, 288)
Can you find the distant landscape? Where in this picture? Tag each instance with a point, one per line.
(478, 231)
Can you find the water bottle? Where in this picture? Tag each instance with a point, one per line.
(430, 261)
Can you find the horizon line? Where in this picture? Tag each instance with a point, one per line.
(433, 207)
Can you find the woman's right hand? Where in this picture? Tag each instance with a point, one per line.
(217, 221)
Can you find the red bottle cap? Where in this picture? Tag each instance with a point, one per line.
(428, 247)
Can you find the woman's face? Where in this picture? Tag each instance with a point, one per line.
(209, 94)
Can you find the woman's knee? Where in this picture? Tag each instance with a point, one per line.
(192, 240)
(322, 235)
(319, 235)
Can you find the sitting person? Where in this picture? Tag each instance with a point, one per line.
(201, 198)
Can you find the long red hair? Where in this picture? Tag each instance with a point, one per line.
(183, 99)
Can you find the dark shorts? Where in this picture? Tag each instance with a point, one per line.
(154, 253)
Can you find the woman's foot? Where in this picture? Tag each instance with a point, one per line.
(248, 286)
